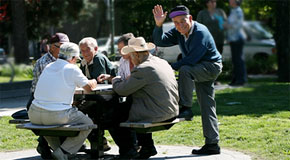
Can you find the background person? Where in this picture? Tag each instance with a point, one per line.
(236, 37)
(54, 97)
(153, 88)
(201, 64)
(213, 18)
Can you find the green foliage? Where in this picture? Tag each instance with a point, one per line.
(267, 65)
(21, 72)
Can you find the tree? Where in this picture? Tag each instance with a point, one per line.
(31, 19)
(19, 36)
(282, 39)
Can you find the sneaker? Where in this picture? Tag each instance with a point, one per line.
(44, 151)
(59, 155)
(186, 113)
(147, 152)
(208, 149)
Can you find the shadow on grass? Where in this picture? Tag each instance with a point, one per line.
(255, 99)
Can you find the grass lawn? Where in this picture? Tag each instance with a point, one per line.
(4, 79)
(258, 123)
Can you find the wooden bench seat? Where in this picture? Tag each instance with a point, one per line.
(19, 121)
(146, 127)
(56, 130)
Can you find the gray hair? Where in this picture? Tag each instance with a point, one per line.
(90, 41)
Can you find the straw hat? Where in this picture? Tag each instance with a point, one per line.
(137, 45)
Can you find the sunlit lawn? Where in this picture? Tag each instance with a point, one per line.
(258, 125)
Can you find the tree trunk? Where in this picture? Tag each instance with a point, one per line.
(19, 35)
(282, 39)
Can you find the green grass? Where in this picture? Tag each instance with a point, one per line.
(5, 79)
(259, 126)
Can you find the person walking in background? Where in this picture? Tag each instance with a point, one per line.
(236, 37)
(213, 18)
(43, 45)
(201, 64)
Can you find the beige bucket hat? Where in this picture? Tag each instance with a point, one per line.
(137, 45)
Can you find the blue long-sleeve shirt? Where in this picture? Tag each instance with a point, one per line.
(199, 46)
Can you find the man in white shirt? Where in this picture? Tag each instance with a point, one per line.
(54, 96)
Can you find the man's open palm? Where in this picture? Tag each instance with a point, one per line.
(159, 15)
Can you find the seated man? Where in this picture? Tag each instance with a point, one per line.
(53, 101)
(154, 91)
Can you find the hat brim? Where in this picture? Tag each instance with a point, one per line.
(177, 13)
(129, 49)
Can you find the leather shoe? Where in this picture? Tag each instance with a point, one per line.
(131, 154)
(208, 149)
(146, 152)
(186, 113)
(44, 151)
(59, 155)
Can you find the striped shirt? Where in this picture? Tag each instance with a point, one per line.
(124, 68)
(40, 64)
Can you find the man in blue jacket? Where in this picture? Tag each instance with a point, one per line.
(200, 65)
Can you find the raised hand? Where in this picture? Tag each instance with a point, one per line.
(159, 15)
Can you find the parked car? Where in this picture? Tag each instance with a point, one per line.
(105, 46)
(259, 44)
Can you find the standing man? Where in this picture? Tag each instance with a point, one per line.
(201, 64)
(55, 42)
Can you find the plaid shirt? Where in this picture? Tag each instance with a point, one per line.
(39, 67)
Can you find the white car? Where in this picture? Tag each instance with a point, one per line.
(259, 44)
(105, 46)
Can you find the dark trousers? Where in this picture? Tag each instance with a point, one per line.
(124, 137)
(239, 67)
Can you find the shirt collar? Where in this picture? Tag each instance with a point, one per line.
(190, 31)
(51, 56)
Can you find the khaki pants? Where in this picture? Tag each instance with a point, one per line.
(70, 116)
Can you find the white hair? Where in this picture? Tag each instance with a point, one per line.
(90, 41)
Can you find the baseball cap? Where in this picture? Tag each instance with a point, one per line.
(59, 37)
(70, 49)
(179, 10)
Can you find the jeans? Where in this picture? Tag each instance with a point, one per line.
(239, 67)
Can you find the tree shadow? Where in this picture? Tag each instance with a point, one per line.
(255, 99)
